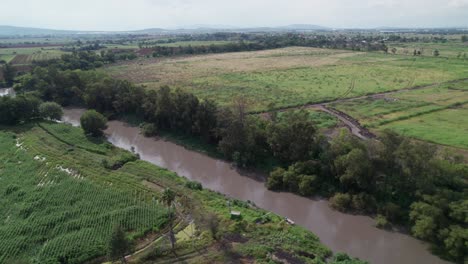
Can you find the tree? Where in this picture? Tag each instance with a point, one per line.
(16, 109)
(292, 137)
(354, 170)
(93, 123)
(425, 219)
(51, 110)
(168, 198)
(436, 53)
(464, 38)
(118, 245)
(9, 73)
(243, 136)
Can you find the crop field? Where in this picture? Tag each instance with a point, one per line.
(438, 114)
(27, 55)
(59, 203)
(291, 76)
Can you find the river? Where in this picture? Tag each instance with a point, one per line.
(355, 235)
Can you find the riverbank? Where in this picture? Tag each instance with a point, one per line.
(56, 159)
(355, 235)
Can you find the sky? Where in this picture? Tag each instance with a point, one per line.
(140, 14)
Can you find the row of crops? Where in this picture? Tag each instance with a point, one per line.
(53, 210)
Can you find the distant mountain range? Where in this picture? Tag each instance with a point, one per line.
(27, 31)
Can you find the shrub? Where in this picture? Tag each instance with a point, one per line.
(391, 211)
(149, 130)
(341, 201)
(381, 222)
(93, 122)
(363, 202)
(194, 185)
(275, 180)
(307, 185)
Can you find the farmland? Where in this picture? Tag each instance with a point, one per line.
(290, 76)
(20, 56)
(61, 204)
(55, 207)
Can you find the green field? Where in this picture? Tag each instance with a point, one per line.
(451, 48)
(437, 114)
(447, 127)
(58, 203)
(291, 76)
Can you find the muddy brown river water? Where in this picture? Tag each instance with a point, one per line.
(355, 235)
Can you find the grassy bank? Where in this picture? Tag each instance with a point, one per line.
(59, 202)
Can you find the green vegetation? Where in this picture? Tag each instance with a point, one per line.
(405, 181)
(59, 204)
(62, 194)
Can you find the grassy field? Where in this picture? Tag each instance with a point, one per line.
(291, 76)
(451, 48)
(59, 203)
(437, 114)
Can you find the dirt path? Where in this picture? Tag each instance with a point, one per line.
(353, 125)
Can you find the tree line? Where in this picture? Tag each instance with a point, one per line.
(263, 42)
(404, 182)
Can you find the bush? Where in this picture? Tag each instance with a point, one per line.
(194, 185)
(363, 202)
(93, 123)
(381, 222)
(341, 201)
(149, 130)
(118, 162)
(275, 180)
(307, 185)
(50, 110)
(391, 211)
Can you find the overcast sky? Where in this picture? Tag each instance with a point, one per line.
(139, 14)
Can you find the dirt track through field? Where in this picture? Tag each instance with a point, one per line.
(351, 123)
